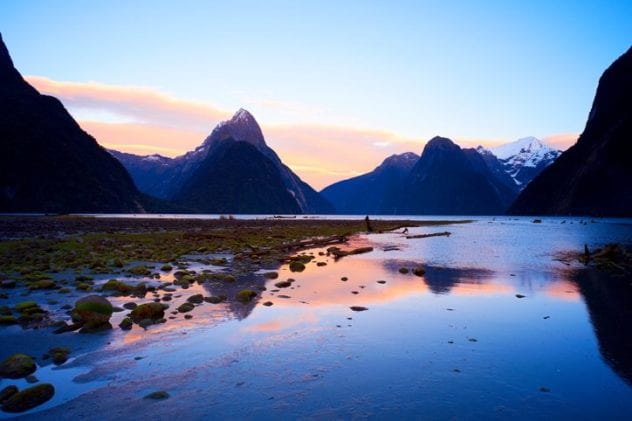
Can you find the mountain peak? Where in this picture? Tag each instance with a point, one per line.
(7, 70)
(439, 143)
(242, 127)
(406, 159)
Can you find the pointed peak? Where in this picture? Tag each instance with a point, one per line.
(242, 127)
(7, 70)
(242, 114)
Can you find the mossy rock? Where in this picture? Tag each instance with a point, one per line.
(140, 270)
(118, 286)
(8, 320)
(29, 398)
(166, 268)
(83, 286)
(7, 392)
(92, 309)
(185, 307)
(151, 311)
(245, 295)
(214, 299)
(296, 266)
(17, 366)
(43, 284)
(59, 355)
(126, 323)
(25, 305)
(196, 299)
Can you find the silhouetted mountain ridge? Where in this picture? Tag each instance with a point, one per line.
(594, 176)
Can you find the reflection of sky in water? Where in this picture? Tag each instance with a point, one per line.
(456, 342)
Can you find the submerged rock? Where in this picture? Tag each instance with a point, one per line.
(158, 395)
(59, 354)
(7, 392)
(245, 295)
(419, 271)
(29, 398)
(17, 366)
(358, 308)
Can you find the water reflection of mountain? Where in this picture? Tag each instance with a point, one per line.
(609, 302)
(236, 309)
(441, 280)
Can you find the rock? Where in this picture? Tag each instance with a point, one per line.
(158, 395)
(188, 316)
(297, 266)
(520, 296)
(403, 270)
(544, 389)
(185, 307)
(43, 284)
(17, 366)
(283, 284)
(130, 306)
(29, 398)
(59, 354)
(145, 323)
(381, 282)
(94, 327)
(118, 286)
(214, 299)
(8, 320)
(246, 295)
(24, 306)
(166, 268)
(268, 303)
(358, 308)
(93, 309)
(537, 221)
(31, 379)
(344, 279)
(419, 271)
(7, 392)
(126, 323)
(196, 299)
(271, 275)
(321, 264)
(152, 311)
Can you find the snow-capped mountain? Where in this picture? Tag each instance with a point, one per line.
(523, 159)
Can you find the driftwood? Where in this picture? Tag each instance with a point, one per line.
(314, 242)
(436, 234)
(337, 253)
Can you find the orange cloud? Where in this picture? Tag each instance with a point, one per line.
(561, 141)
(143, 139)
(143, 105)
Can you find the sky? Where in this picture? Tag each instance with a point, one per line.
(337, 86)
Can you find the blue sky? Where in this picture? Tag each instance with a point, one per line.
(485, 71)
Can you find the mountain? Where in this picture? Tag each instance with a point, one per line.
(365, 193)
(152, 174)
(523, 159)
(448, 180)
(237, 178)
(187, 178)
(49, 164)
(594, 176)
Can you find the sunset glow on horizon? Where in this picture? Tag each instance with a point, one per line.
(336, 88)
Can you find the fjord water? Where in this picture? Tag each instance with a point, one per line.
(496, 328)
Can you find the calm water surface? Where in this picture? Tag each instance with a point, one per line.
(455, 343)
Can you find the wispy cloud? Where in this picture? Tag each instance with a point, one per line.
(145, 120)
(140, 104)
